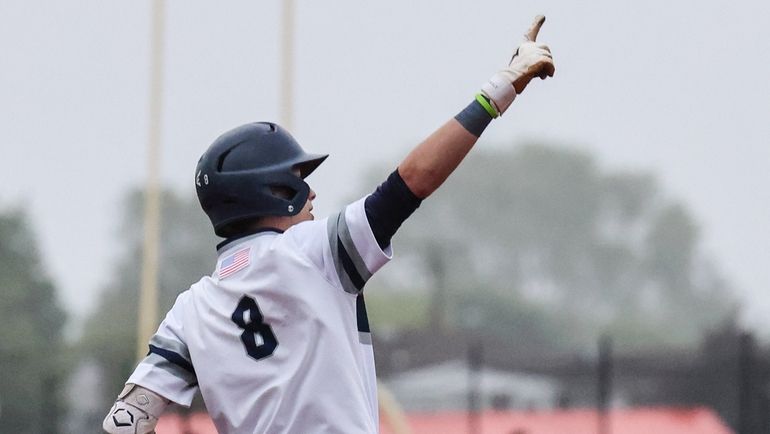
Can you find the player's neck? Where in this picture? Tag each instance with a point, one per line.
(275, 222)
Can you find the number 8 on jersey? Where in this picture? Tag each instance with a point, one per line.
(248, 317)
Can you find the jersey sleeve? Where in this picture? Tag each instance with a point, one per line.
(167, 370)
(343, 247)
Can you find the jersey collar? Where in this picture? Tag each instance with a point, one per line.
(221, 247)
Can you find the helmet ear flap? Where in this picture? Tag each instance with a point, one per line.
(289, 196)
(231, 213)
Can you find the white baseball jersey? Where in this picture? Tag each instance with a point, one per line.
(277, 337)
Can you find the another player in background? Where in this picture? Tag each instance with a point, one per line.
(277, 338)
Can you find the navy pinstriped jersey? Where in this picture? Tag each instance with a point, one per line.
(277, 338)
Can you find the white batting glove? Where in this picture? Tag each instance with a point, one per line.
(135, 412)
(530, 60)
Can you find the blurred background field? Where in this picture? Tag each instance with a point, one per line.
(598, 264)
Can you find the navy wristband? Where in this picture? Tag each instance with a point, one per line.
(474, 118)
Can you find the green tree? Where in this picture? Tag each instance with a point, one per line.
(187, 253)
(31, 321)
(585, 250)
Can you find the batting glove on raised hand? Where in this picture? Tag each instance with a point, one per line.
(530, 60)
(135, 412)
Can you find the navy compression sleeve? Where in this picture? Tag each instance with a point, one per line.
(388, 207)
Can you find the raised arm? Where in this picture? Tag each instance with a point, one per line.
(429, 164)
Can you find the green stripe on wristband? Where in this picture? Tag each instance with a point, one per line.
(487, 106)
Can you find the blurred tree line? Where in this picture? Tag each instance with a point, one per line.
(540, 245)
(33, 366)
(537, 244)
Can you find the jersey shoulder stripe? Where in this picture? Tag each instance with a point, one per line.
(155, 360)
(348, 262)
(168, 369)
(172, 356)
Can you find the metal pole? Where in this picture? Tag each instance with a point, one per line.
(745, 362)
(475, 358)
(148, 296)
(287, 66)
(605, 384)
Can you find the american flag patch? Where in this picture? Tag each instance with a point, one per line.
(234, 263)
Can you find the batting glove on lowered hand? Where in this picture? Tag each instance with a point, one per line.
(135, 412)
(530, 60)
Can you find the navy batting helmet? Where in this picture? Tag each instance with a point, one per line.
(237, 177)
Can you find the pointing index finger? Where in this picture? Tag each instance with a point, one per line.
(531, 34)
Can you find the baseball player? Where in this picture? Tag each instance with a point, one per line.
(277, 338)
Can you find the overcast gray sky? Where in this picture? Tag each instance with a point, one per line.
(677, 88)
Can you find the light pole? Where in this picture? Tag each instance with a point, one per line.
(287, 65)
(148, 295)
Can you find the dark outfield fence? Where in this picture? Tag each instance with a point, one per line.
(729, 373)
